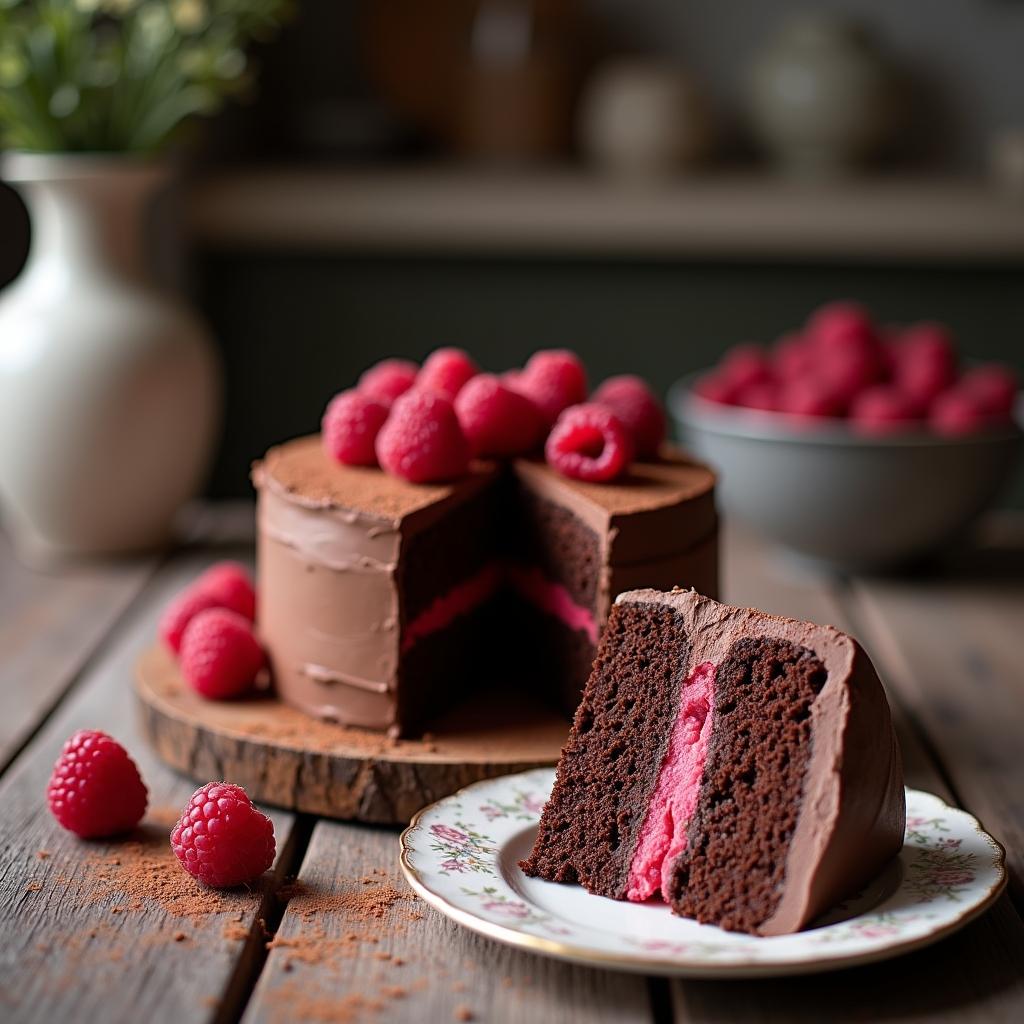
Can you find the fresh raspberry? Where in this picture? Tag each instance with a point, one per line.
(924, 361)
(713, 387)
(746, 365)
(792, 357)
(350, 426)
(849, 371)
(553, 379)
(497, 420)
(841, 325)
(95, 789)
(220, 655)
(884, 409)
(809, 396)
(639, 411)
(388, 379)
(181, 611)
(446, 371)
(422, 440)
(995, 388)
(231, 585)
(589, 442)
(221, 838)
(763, 396)
(957, 412)
(223, 585)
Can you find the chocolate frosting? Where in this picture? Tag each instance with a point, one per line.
(330, 538)
(852, 815)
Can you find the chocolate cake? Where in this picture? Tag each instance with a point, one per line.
(743, 766)
(381, 601)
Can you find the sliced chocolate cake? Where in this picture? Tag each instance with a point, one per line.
(380, 599)
(743, 766)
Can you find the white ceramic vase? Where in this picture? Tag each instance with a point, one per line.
(109, 392)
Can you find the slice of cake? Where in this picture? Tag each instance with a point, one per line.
(743, 766)
(381, 600)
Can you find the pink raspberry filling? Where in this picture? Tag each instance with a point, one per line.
(663, 834)
(550, 597)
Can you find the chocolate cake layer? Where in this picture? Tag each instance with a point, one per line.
(799, 799)
(610, 764)
(752, 785)
(358, 567)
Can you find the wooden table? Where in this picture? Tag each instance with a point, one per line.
(100, 932)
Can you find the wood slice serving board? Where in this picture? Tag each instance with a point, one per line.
(284, 757)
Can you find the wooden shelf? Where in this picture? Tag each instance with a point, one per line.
(445, 210)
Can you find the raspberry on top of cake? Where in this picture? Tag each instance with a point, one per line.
(444, 515)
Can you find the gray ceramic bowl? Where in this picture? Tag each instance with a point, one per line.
(826, 493)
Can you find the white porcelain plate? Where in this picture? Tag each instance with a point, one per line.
(461, 854)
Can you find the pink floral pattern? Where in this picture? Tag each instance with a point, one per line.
(465, 849)
(949, 868)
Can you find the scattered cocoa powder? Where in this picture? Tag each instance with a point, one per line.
(42, 854)
(34, 886)
(464, 1013)
(142, 871)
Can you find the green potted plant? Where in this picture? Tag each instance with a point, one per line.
(109, 391)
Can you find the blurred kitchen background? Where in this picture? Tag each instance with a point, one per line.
(645, 181)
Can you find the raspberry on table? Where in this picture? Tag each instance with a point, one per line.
(349, 428)
(641, 414)
(446, 371)
(498, 420)
(388, 379)
(884, 409)
(422, 440)
(589, 442)
(220, 655)
(95, 789)
(553, 379)
(221, 839)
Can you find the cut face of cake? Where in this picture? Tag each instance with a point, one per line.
(382, 601)
(740, 765)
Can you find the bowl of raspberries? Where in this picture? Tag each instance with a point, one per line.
(861, 446)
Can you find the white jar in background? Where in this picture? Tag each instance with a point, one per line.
(110, 392)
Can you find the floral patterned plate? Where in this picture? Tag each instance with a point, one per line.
(461, 854)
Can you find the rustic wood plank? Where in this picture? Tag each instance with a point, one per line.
(950, 644)
(759, 577)
(115, 931)
(50, 624)
(975, 975)
(357, 944)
